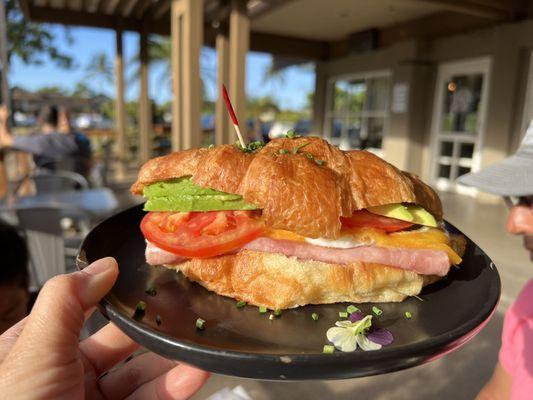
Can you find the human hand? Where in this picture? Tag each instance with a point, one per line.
(42, 358)
(4, 114)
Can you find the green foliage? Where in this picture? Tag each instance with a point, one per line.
(32, 42)
(58, 90)
(100, 67)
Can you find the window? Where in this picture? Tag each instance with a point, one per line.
(357, 116)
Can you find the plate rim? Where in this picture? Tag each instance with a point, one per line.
(445, 342)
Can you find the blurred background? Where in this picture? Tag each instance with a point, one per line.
(436, 87)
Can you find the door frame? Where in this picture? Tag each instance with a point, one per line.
(465, 66)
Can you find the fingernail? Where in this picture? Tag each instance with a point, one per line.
(100, 266)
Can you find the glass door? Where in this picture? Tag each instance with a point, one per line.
(458, 122)
(357, 111)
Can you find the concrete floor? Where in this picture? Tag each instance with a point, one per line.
(459, 375)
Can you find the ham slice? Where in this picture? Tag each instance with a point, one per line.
(156, 256)
(421, 261)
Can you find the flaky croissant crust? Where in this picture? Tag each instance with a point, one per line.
(293, 190)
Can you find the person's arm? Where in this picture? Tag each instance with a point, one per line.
(499, 386)
(6, 140)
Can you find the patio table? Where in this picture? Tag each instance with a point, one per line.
(98, 203)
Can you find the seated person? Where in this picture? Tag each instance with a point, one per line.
(50, 144)
(15, 298)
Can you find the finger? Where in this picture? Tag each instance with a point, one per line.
(179, 383)
(59, 312)
(107, 347)
(9, 338)
(125, 380)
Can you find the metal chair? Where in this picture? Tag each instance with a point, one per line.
(55, 181)
(51, 251)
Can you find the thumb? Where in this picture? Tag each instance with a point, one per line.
(58, 315)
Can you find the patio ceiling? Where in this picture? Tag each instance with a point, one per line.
(305, 29)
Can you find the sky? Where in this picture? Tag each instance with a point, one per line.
(289, 93)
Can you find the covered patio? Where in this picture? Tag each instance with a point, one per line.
(394, 39)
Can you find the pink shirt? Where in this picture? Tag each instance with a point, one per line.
(516, 353)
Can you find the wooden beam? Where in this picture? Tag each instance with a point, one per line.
(120, 110)
(121, 7)
(158, 10)
(266, 7)
(141, 7)
(476, 9)
(81, 18)
(176, 13)
(239, 44)
(187, 40)
(129, 9)
(222, 126)
(145, 109)
(192, 32)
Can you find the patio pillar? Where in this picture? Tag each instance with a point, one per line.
(120, 111)
(145, 110)
(319, 100)
(222, 127)
(187, 39)
(239, 44)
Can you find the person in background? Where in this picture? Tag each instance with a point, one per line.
(14, 277)
(41, 357)
(52, 143)
(513, 179)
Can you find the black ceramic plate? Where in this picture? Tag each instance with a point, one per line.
(244, 343)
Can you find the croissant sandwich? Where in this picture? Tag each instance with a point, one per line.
(293, 222)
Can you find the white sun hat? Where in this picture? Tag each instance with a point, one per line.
(511, 177)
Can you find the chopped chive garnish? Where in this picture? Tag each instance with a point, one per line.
(408, 315)
(251, 147)
(271, 317)
(283, 151)
(211, 146)
(241, 304)
(158, 319)
(309, 156)
(277, 312)
(328, 349)
(262, 309)
(377, 311)
(200, 323)
(351, 309)
(319, 162)
(140, 308)
(343, 314)
(297, 148)
(291, 134)
(151, 291)
(315, 316)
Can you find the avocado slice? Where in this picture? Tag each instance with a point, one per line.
(183, 195)
(397, 211)
(421, 216)
(410, 213)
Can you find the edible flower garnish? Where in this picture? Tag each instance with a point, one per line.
(347, 335)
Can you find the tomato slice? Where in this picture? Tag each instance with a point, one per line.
(366, 219)
(201, 234)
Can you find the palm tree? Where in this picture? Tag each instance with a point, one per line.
(160, 54)
(100, 68)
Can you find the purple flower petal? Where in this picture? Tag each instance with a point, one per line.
(356, 316)
(381, 336)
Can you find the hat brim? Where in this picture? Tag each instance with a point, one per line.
(511, 177)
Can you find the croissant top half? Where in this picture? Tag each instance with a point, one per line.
(296, 192)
